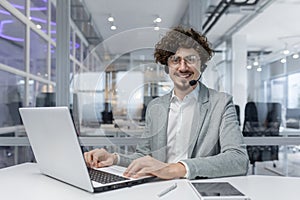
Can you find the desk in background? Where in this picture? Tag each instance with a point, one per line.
(124, 140)
(109, 132)
(288, 132)
(25, 182)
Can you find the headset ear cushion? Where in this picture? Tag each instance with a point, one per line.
(203, 67)
(167, 69)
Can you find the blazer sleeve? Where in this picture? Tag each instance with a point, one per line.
(227, 154)
(154, 136)
(143, 148)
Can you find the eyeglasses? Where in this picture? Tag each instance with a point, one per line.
(189, 60)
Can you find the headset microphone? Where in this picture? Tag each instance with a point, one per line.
(194, 82)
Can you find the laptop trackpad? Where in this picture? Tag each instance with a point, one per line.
(115, 169)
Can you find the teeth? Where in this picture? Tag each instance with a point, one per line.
(184, 75)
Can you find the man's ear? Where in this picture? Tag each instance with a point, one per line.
(167, 69)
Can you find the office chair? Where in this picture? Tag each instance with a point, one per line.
(262, 120)
(45, 99)
(237, 109)
(107, 114)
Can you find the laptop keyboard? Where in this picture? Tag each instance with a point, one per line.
(104, 177)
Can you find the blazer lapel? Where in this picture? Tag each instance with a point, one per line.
(199, 118)
(160, 151)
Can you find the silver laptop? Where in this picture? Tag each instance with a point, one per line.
(56, 148)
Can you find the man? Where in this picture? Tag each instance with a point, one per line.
(191, 132)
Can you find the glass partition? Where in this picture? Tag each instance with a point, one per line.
(38, 55)
(11, 98)
(12, 39)
(39, 14)
(19, 4)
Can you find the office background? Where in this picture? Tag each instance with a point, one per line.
(109, 75)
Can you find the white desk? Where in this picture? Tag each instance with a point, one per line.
(286, 132)
(25, 182)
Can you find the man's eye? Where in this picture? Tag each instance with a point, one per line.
(176, 59)
(190, 59)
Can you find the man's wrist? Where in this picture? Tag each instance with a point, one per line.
(187, 170)
(180, 170)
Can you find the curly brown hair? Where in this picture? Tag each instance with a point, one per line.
(178, 37)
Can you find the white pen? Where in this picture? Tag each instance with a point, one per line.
(169, 189)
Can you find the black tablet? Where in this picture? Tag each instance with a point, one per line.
(217, 190)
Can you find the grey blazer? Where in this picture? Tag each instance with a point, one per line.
(216, 146)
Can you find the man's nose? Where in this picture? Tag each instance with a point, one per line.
(182, 65)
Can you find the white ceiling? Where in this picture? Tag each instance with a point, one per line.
(271, 28)
(277, 25)
(132, 14)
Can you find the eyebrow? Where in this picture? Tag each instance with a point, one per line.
(185, 56)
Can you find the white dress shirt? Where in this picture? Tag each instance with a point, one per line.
(179, 126)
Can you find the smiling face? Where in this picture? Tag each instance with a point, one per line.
(184, 66)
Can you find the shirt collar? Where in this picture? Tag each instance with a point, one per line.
(193, 94)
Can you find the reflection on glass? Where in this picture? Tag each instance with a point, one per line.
(294, 91)
(77, 68)
(293, 108)
(77, 48)
(88, 97)
(38, 55)
(39, 14)
(53, 63)
(71, 41)
(12, 97)
(72, 67)
(85, 52)
(53, 21)
(41, 94)
(18, 4)
(278, 91)
(12, 40)
(129, 97)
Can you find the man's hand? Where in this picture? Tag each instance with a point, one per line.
(172, 171)
(149, 166)
(99, 158)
